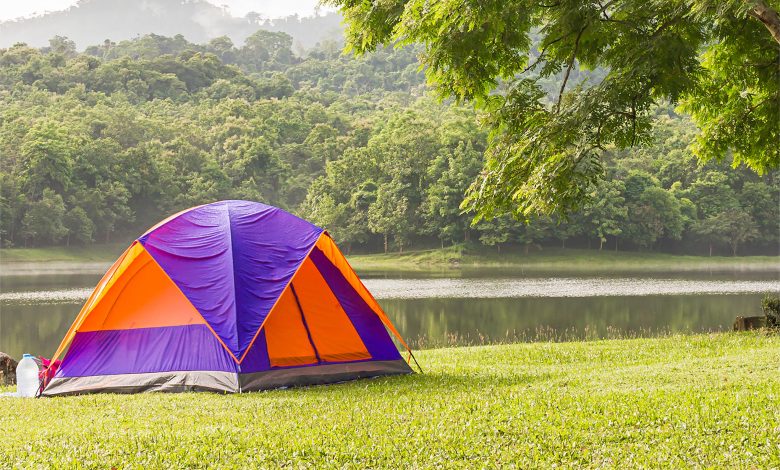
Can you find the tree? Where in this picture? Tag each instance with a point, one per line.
(80, 227)
(46, 153)
(388, 215)
(711, 230)
(450, 175)
(716, 58)
(563, 229)
(655, 215)
(738, 227)
(532, 231)
(606, 213)
(762, 202)
(496, 231)
(147, 127)
(63, 46)
(264, 50)
(713, 194)
(43, 221)
(12, 205)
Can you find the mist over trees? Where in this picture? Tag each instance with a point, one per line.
(92, 21)
(98, 145)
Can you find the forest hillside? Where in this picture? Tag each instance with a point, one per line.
(99, 143)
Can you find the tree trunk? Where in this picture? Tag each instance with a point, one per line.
(385, 243)
(734, 249)
(525, 248)
(710, 249)
(400, 247)
(601, 243)
(767, 15)
(498, 245)
(563, 243)
(442, 243)
(67, 240)
(349, 248)
(7, 369)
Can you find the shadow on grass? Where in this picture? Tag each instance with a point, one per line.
(414, 383)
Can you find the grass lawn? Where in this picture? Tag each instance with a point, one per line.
(679, 401)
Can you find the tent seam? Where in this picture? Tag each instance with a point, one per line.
(205, 322)
(383, 318)
(257, 333)
(125, 286)
(87, 305)
(233, 273)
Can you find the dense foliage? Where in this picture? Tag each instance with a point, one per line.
(718, 59)
(97, 146)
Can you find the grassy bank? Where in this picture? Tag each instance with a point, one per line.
(104, 252)
(458, 257)
(559, 259)
(704, 400)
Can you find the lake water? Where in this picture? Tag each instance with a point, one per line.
(39, 302)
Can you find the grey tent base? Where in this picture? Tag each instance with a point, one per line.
(224, 382)
(186, 381)
(320, 375)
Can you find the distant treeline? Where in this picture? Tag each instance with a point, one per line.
(99, 145)
(91, 21)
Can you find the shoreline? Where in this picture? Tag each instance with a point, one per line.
(29, 261)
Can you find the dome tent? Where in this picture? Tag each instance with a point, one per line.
(230, 296)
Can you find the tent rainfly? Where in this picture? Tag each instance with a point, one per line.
(231, 296)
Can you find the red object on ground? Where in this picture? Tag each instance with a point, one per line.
(48, 371)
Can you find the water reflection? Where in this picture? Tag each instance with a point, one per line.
(442, 309)
(34, 328)
(38, 328)
(441, 322)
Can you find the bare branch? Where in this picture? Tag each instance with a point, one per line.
(767, 15)
(542, 53)
(569, 67)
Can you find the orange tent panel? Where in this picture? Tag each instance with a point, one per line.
(331, 330)
(142, 297)
(286, 337)
(332, 252)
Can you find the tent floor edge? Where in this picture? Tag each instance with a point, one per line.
(320, 374)
(176, 381)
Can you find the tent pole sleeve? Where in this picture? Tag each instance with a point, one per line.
(305, 325)
(257, 333)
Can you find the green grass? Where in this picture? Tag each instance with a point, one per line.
(459, 257)
(103, 252)
(552, 259)
(679, 401)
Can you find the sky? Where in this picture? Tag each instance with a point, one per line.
(12, 9)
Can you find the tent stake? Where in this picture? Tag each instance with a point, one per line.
(415, 361)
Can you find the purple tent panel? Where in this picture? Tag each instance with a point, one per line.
(232, 260)
(143, 350)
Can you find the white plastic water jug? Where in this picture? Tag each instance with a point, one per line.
(27, 377)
